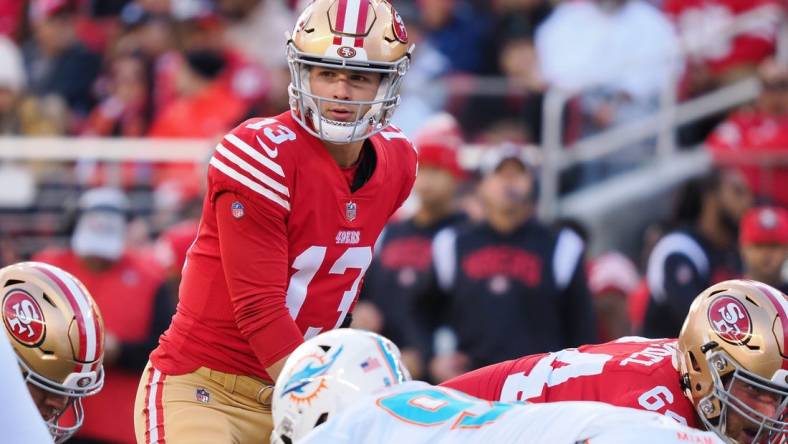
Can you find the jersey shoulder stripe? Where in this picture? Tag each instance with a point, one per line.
(244, 158)
(248, 183)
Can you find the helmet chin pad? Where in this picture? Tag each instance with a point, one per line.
(335, 131)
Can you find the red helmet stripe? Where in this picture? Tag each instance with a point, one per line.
(341, 11)
(781, 304)
(88, 343)
(361, 24)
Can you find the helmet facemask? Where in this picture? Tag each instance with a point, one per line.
(305, 105)
(62, 432)
(715, 409)
(62, 428)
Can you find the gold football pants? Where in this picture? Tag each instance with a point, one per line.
(205, 406)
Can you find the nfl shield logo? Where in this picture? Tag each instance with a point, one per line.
(203, 395)
(350, 211)
(237, 209)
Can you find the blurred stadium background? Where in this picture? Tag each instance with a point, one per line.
(618, 104)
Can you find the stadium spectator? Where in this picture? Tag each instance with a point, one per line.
(129, 290)
(619, 55)
(401, 269)
(701, 251)
(255, 21)
(626, 46)
(755, 139)
(612, 277)
(126, 109)
(151, 35)
(12, 82)
(56, 62)
(21, 113)
(460, 32)
(204, 30)
(764, 245)
(205, 107)
(510, 277)
(518, 114)
(724, 41)
(719, 49)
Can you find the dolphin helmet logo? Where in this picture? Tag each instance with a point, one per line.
(300, 379)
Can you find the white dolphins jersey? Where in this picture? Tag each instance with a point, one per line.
(416, 412)
(20, 421)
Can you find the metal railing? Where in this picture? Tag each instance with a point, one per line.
(64, 149)
(557, 158)
(661, 125)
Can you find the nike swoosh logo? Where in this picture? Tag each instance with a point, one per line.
(272, 153)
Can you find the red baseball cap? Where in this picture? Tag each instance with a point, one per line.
(764, 225)
(439, 142)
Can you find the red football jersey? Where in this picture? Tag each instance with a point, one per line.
(744, 136)
(282, 247)
(699, 22)
(629, 372)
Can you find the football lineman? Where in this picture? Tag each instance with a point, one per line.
(727, 372)
(294, 205)
(57, 332)
(348, 386)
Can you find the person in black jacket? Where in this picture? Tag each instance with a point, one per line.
(512, 286)
(702, 251)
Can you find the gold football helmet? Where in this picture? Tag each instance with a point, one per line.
(360, 35)
(733, 359)
(57, 333)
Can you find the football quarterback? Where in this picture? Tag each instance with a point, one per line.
(293, 207)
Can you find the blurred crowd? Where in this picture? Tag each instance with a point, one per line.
(467, 275)
(192, 68)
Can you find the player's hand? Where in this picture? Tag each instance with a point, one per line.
(450, 365)
(276, 368)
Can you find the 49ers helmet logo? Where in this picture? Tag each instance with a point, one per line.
(730, 320)
(346, 52)
(24, 318)
(400, 32)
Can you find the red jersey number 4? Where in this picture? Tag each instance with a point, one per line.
(555, 369)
